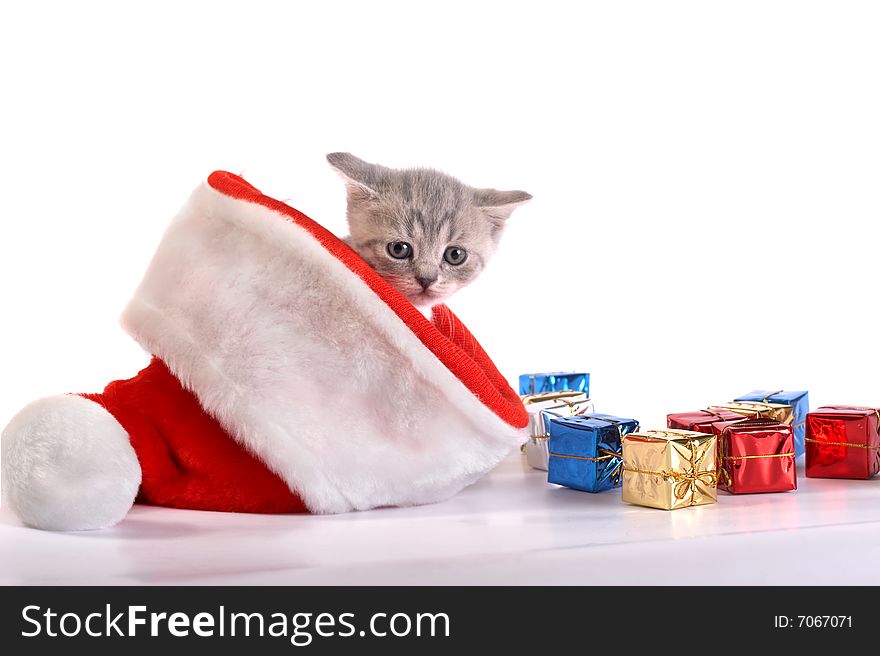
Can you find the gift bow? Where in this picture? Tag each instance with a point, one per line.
(685, 482)
(615, 473)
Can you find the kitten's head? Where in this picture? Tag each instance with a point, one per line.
(422, 230)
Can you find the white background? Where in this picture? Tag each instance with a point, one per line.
(705, 175)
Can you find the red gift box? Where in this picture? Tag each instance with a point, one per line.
(700, 421)
(843, 441)
(755, 455)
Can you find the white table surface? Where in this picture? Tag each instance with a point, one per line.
(509, 528)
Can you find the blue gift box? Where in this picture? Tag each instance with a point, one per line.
(800, 403)
(557, 381)
(585, 450)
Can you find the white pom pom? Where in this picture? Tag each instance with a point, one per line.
(68, 465)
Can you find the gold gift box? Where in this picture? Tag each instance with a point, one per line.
(669, 469)
(780, 412)
(562, 404)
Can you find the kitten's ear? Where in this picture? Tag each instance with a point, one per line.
(498, 205)
(359, 176)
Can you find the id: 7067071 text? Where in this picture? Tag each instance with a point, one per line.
(813, 622)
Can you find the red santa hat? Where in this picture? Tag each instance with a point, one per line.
(287, 376)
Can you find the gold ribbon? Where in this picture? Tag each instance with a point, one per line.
(800, 423)
(756, 421)
(562, 396)
(766, 455)
(858, 446)
(685, 482)
(586, 402)
(752, 406)
(616, 424)
(712, 413)
(608, 454)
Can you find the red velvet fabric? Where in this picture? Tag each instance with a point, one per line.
(187, 459)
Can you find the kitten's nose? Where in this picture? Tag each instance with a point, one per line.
(425, 281)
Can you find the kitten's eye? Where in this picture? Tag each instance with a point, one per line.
(455, 255)
(399, 250)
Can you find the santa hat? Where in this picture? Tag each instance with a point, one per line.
(287, 376)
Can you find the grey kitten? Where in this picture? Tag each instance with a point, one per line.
(425, 232)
